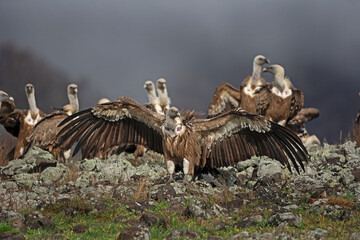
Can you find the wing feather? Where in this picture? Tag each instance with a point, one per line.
(99, 129)
(237, 135)
(226, 97)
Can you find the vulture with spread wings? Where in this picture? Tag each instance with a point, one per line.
(187, 142)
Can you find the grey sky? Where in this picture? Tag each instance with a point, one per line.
(196, 45)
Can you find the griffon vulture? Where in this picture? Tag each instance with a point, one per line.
(187, 143)
(154, 102)
(44, 133)
(21, 122)
(279, 101)
(161, 89)
(227, 97)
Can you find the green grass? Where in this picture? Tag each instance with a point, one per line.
(6, 227)
(109, 223)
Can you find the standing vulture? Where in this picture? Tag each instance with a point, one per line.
(21, 122)
(161, 89)
(154, 102)
(279, 101)
(227, 97)
(187, 142)
(44, 133)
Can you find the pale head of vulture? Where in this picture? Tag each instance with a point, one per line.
(72, 89)
(161, 84)
(30, 93)
(276, 70)
(29, 89)
(261, 60)
(280, 81)
(149, 86)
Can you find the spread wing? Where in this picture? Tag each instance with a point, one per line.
(11, 122)
(263, 100)
(44, 133)
(226, 97)
(108, 125)
(237, 135)
(297, 102)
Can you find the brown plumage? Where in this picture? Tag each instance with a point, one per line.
(44, 133)
(279, 101)
(187, 142)
(227, 97)
(21, 122)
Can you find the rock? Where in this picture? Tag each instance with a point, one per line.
(240, 236)
(234, 205)
(164, 192)
(53, 175)
(196, 211)
(80, 228)
(317, 233)
(35, 161)
(136, 232)
(355, 236)
(253, 162)
(15, 219)
(288, 217)
(183, 234)
(213, 238)
(218, 225)
(26, 179)
(249, 221)
(269, 168)
(152, 219)
(36, 220)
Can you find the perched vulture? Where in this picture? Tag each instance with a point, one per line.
(188, 143)
(44, 133)
(279, 101)
(227, 97)
(21, 122)
(154, 102)
(161, 89)
(297, 124)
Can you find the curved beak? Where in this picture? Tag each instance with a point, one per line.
(267, 61)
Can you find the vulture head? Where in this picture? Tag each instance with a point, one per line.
(161, 84)
(261, 60)
(72, 89)
(173, 122)
(29, 89)
(149, 85)
(275, 69)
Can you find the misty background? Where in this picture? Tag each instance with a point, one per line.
(110, 48)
